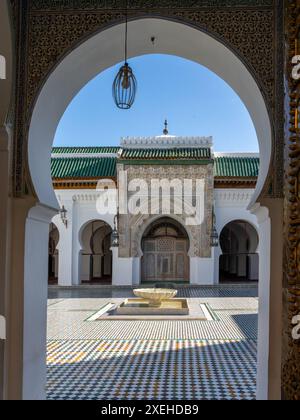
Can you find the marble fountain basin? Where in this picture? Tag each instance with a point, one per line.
(155, 302)
(155, 296)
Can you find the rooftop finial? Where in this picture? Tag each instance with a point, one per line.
(166, 131)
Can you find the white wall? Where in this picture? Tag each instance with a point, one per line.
(81, 206)
(202, 271)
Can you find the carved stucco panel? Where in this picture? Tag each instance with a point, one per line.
(132, 227)
(248, 32)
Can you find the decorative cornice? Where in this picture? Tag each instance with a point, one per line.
(233, 197)
(235, 183)
(236, 155)
(166, 142)
(85, 198)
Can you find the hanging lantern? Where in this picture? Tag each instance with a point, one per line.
(214, 240)
(63, 214)
(115, 240)
(125, 84)
(125, 87)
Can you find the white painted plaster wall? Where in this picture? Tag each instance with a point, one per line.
(230, 205)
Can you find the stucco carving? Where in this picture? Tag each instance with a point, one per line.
(132, 227)
(291, 350)
(48, 30)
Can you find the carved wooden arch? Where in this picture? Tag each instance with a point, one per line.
(143, 222)
(291, 347)
(49, 30)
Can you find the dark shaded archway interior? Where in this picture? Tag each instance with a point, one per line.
(239, 260)
(96, 256)
(53, 255)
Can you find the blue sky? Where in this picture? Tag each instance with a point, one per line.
(195, 101)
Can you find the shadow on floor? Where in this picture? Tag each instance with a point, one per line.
(151, 370)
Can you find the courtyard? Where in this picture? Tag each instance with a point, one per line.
(152, 359)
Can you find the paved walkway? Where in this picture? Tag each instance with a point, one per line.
(152, 360)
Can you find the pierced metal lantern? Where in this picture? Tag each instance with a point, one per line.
(63, 215)
(115, 239)
(125, 87)
(214, 240)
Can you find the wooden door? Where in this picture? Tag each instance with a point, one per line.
(166, 260)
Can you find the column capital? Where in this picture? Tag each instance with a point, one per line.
(262, 213)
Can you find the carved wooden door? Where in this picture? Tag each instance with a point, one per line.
(166, 260)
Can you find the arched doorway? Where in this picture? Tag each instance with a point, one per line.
(96, 254)
(86, 61)
(53, 255)
(165, 247)
(240, 260)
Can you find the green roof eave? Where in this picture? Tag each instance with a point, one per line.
(175, 162)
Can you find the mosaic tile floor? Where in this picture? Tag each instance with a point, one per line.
(152, 360)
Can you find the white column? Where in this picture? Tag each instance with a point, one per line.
(242, 265)
(35, 302)
(76, 246)
(137, 266)
(201, 271)
(264, 326)
(65, 246)
(122, 273)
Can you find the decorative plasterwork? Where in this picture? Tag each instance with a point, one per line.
(166, 142)
(233, 198)
(228, 183)
(291, 350)
(86, 198)
(236, 155)
(48, 30)
(131, 226)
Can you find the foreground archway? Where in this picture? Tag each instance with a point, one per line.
(105, 50)
(85, 62)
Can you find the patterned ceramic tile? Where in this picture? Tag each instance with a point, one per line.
(151, 370)
(152, 360)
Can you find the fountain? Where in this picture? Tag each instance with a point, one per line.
(156, 302)
(155, 296)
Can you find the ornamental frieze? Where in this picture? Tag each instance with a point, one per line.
(144, 4)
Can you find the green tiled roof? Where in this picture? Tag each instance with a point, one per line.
(74, 168)
(166, 154)
(97, 167)
(236, 167)
(84, 150)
